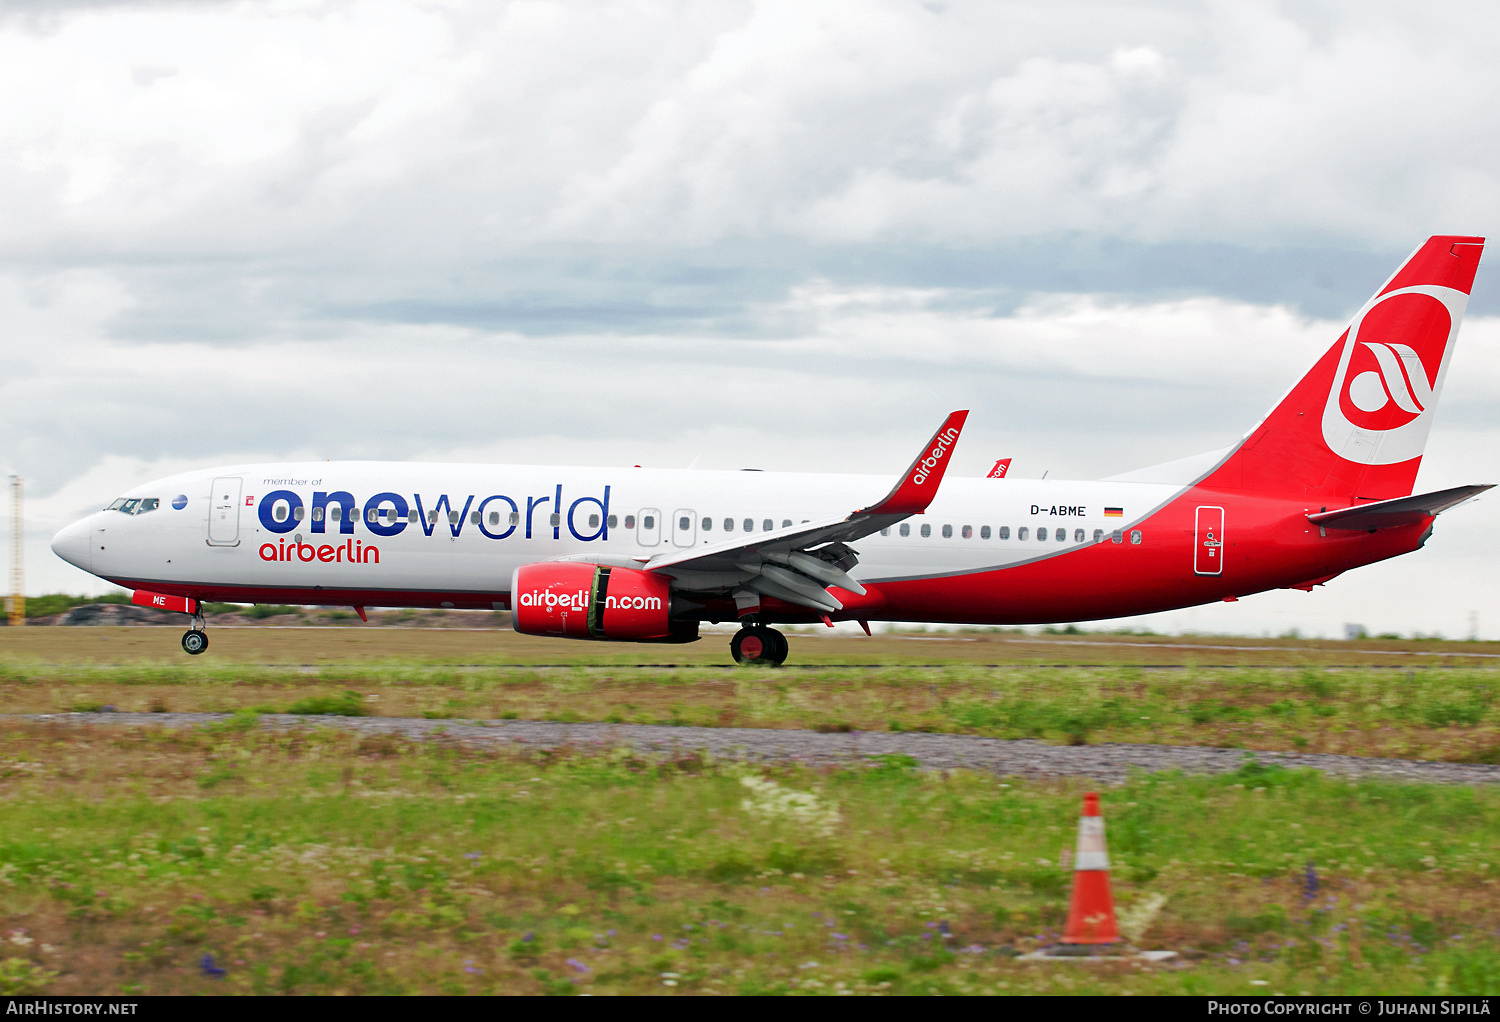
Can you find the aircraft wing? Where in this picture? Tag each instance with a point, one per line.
(1385, 514)
(799, 563)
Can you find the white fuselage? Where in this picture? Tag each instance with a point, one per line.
(478, 523)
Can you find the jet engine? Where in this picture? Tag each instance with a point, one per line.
(571, 600)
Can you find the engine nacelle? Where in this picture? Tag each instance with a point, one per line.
(570, 600)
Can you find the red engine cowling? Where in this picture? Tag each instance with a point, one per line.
(570, 600)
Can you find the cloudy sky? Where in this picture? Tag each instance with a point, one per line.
(784, 234)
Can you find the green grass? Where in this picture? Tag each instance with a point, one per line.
(321, 862)
(1447, 713)
(345, 704)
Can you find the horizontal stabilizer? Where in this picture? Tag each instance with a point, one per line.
(1388, 514)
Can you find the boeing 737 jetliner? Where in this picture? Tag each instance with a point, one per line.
(1323, 484)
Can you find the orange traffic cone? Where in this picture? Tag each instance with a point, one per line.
(1091, 916)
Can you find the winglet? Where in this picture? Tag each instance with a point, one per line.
(919, 483)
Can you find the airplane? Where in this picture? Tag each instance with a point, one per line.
(1321, 485)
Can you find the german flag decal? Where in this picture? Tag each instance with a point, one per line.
(1114, 512)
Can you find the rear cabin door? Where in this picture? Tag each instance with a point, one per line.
(224, 512)
(1208, 541)
(684, 527)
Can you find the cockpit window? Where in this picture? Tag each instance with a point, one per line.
(135, 505)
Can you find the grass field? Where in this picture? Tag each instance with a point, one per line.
(236, 859)
(322, 862)
(1379, 700)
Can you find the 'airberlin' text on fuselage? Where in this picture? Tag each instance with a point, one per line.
(352, 551)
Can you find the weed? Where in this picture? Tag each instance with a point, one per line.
(349, 704)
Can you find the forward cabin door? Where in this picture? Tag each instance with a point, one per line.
(1208, 541)
(224, 512)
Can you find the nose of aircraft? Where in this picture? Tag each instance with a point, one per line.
(72, 544)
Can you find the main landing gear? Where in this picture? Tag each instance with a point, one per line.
(758, 644)
(195, 640)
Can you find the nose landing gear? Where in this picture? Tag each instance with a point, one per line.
(759, 645)
(195, 640)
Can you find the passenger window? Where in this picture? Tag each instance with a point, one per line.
(411, 517)
(335, 513)
(786, 523)
(926, 531)
(1005, 532)
(729, 525)
(886, 531)
(1079, 535)
(1022, 532)
(474, 518)
(684, 523)
(494, 517)
(278, 512)
(452, 517)
(298, 514)
(767, 525)
(905, 529)
(1135, 537)
(593, 521)
(947, 532)
(317, 514)
(708, 525)
(515, 518)
(554, 519)
(432, 518)
(612, 520)
(984, 532)
(649, 522)
(630, 521)
(1116, 536)
(968, 532)
(749, 525)
(370, 514)
(1098, 535)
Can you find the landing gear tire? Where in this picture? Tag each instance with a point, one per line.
(759, 645)
(194, 642)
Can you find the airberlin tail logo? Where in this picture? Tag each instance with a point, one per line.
(1398, 377)
(1390, 372)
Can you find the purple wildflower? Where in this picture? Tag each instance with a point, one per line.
(1310, 882)
(206, 963)
(579, 966)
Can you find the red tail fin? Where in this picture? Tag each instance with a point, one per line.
(1354, 428)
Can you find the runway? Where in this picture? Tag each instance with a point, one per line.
(1105, 763)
